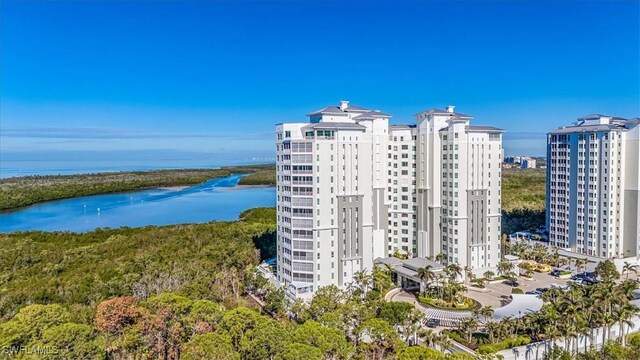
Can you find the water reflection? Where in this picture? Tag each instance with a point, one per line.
(218, 199)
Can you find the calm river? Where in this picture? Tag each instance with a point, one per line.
(218, 199)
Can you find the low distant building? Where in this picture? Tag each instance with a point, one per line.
(528, 163)
(524, 162)
(513, 160)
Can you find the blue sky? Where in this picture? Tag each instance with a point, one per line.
(214, 77)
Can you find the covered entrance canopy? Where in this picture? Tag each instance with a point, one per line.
(405, 272)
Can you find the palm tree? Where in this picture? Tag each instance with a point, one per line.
(476, 313)
(468, 326)
(503, 243)
(606, 296)
(479, 282)
(381, 279)
(411, 323)
(493, 328)
(468, 274)
(454, 270)
(486, 312)
(565, 328)
(526, 268)
(505, 267)
(440, 258)
(579, 263)
(552, 332)
(389, 269)
(427, 336)
(444, 342)
(590, 317)
(556, 256)
(425, 275)
(350, 288)
(586, 332)
(540, 254)
(628, 268)
(440, 279)
(629, 312)
(489, 274)
(362, 279)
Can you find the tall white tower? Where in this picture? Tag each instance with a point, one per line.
(593, 186)
(352, 188)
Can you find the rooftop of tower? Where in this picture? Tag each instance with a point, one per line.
(598, 122)
(449, 111)
(403, 126)
(345, 108)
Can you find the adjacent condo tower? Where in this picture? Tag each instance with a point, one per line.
(593, 187)
(352, 188)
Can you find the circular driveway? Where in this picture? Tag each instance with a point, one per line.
(498, 296)
(445, 317)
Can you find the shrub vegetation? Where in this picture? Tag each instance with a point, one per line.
(523, 199)
(79, 270)
(180, 292)
(463, 303)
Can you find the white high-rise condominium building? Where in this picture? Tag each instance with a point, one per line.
(593, 186)
(352, 188)
(459, 183)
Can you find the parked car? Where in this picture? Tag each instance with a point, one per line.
(555, 272)
(511, 283)
(542, 290)
(432, 323)
(590, 281)
(579, 276)
(533, 292)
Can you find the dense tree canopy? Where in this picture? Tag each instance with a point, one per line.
(177, 292)
(207, 261)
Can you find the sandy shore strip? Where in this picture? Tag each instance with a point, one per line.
(174, 188)
(245, 187)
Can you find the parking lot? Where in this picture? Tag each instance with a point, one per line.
(499, 293)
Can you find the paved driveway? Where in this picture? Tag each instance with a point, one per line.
(499, 294)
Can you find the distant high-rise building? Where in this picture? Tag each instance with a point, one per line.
(593, 186)
(352, 188)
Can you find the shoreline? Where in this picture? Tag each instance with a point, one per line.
(17, 193)
(167, 188)
(246, 187)
(237, 187)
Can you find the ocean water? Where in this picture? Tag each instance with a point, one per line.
(217, 199)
